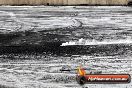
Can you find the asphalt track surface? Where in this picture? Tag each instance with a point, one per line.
(37, 41)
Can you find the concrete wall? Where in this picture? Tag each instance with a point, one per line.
(63, 2)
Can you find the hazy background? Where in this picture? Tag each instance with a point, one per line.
(63, 2)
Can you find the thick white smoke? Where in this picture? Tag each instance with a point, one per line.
(95, 42)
